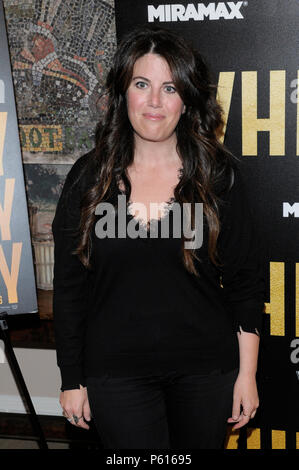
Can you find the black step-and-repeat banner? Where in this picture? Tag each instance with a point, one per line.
(251, 47)
(17, 281)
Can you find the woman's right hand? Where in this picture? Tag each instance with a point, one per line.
(75, 402)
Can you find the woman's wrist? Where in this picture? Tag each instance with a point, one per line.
(247, 373)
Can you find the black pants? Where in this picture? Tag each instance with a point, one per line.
(169, 411)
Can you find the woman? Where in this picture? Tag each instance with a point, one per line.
(157, 338)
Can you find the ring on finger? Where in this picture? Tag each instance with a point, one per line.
(76, 419)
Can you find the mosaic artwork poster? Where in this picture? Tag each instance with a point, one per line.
(60, 54)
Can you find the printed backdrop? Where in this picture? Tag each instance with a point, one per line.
(251, 49)
(60, 54)
(17, 281)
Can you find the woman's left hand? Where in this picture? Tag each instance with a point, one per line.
(245, 394)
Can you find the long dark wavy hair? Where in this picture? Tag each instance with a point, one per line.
(206, 162)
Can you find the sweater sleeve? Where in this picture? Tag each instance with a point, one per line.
(70, 285)
(241, 274)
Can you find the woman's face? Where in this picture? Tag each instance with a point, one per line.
(154, 106)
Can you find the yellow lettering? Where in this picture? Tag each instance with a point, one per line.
(278, 439)
(232, 439)
(224, 95)
(5, 214)
(253, 438)
(276, 305)
(275, 124)
(3, 121)
(11, 278)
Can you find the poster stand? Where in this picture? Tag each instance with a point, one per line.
(13, 363)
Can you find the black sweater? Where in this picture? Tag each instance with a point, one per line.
(138, 310)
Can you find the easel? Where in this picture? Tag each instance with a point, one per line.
(12, 360)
